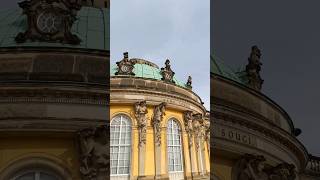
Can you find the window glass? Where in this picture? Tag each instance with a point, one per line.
(120, 145)
(174, 146)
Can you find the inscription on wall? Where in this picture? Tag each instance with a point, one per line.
(234, 135)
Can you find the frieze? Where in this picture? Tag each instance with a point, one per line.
(298, 151)
(234, 135)
(184, 101)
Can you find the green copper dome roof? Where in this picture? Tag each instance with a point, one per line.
(146, 71)
(219, 68)
(91, 26)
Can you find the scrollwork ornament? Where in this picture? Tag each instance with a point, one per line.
(140, 111)
(158, 113)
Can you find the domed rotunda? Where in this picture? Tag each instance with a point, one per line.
(159, 127)
(54, 57)
(253, 137)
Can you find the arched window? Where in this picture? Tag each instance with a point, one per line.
(36, 175)
(120, 145)
(175, 162)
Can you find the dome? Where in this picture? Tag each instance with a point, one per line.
(219, 68)
(90, 26)
(146, 69)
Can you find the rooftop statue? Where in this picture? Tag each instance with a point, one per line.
(167, 73)
(125, 66)
(253, 68)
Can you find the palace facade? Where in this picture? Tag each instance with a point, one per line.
(254, 138)
(159, 127)
(54, 57)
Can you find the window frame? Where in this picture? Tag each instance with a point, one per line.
(36, 172)
(129, 120)
(179, 130)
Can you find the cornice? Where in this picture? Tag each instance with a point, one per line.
(54, 95)
(255, 93)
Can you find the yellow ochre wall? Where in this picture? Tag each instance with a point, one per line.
(60, 150)
(222, 168)
(128, 110)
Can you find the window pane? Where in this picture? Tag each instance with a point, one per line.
(174, 146)
(28, 176)
(45, 176)
(121, 144)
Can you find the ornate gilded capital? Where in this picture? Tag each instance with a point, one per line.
(158, 113)
(125, 66)
(140, 111)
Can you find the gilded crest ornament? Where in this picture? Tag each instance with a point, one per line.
(125, 66)
(49, 21)
(158, 113)
(140, 109)
(167, 73)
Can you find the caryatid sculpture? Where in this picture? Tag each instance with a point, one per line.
(188, 124)
(197, 128)
(158, 113)
(140, 111)
(94, 152)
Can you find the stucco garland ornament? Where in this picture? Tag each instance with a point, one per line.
(94, 152)
(188, 124)
(140, 109)
(158, 113)
(167, 73)
(125, 66)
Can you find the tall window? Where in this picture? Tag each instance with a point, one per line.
(120, 145)
(174, 146)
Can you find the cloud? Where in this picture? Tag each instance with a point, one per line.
(157, 30)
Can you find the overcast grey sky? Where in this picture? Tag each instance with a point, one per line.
(161, 29)
(288, 34)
